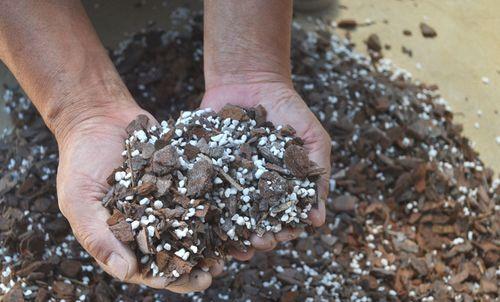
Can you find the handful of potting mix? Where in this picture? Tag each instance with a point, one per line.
(191, 190)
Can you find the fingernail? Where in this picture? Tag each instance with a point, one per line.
(118, 265)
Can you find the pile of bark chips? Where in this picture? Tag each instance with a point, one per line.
(189, 191)
(412, 213)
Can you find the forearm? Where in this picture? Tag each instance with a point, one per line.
(247, 41)
(53, 51)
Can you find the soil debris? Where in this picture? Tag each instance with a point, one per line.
(347, 24)
(427, 31)
(373, 43)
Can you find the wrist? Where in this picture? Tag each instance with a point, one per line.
(228, 77)
(251, 94)
(102, 100)
(246, 42)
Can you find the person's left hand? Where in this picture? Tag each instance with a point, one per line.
(284, 106)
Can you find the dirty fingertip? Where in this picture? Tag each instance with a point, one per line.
(288, 234)
(243, 256)
(266, 242)
(200, 280)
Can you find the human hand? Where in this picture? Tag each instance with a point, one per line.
(284, 106)
(89, 151)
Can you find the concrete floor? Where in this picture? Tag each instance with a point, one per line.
(466, 49)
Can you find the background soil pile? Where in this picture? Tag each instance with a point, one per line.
(412, 214)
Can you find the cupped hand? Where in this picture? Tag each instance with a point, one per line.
(88, 154)
(283, 106)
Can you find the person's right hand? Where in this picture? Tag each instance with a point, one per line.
(284, 107)
(89, 151)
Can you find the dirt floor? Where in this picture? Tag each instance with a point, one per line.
(463, 56)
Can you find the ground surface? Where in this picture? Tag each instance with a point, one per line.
(412, 214)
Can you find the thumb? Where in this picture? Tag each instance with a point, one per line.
(88, 221)
(320, 150)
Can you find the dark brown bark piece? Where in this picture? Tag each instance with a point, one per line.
(115, 218)
(143, 242)
(345, 203)
(347, 24)
(42, 204)
(199, 132)
(63, 290)
(246, 151)
(260, 115)
(233, 112)
(172, 213)
(14, 295)
(268, 155)
(147, 150)
(30, 268)
(181, 266)
(162, 259)
(381, 104)
(277, 168)
(419, 129)
(287, 130)
(7, 183)
(488, 285)
(272, 186)
(407, 51)
(139, 123)
(200, 178)
(182, 200)
(373, 43)
(191, 151)
(42, 295)
(376, 135)
(165, 160)
(70, 268)
(163, 184)
(146, 188)
(122, 231)
(427, 31)
(297, 161)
